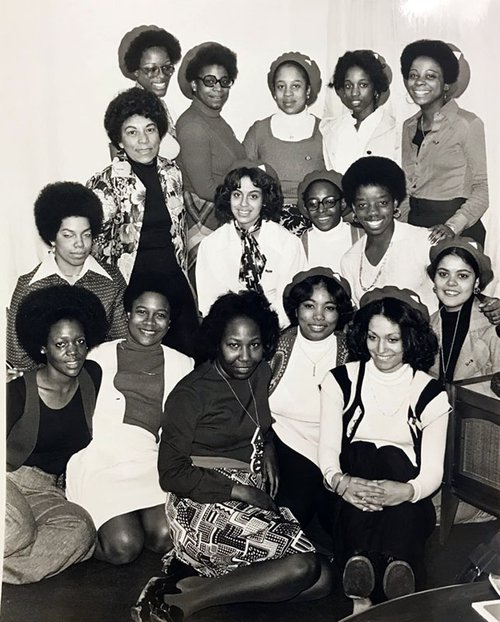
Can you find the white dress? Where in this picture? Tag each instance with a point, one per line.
(117, 472)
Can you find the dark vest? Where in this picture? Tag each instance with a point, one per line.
(22, 438)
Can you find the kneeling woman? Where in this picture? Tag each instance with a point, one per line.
(49, 418)
(115, 478)
(217, 462)
(382, 442)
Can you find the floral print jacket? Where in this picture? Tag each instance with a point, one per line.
(123, 195)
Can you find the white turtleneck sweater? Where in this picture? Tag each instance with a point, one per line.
(295, 403)
(386, 398)
(326, 248)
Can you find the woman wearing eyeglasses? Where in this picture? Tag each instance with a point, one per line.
(208, 144)
(141, 193)
(148, 55)
(320, 200)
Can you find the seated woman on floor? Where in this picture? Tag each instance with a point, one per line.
(250, 250)
(319, 306)
(217, 463)
(68, 217)
(382, 443)
(320, 200)
(49, 418)
(115, 478)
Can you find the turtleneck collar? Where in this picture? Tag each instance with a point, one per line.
(389, 377)
(129, 343)
(209, 112)
(316, 347)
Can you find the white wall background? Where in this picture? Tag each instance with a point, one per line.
(61, 70)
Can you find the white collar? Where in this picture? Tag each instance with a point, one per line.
(48, 267)
(292, 127)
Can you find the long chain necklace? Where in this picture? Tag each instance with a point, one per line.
(445, 367)
(257, 441)
(424, 133)
(367, 288)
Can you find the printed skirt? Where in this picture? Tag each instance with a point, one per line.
(216, 538)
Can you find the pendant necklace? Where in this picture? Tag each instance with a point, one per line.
(314, 363)
(257, 442)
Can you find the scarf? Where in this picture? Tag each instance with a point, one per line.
(253, 261)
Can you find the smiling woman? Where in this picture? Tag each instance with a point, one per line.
(259, 254)
(144, 217)
(148, 54)
(444, 153)
(319, 306)
(382, 442)
(116, 480)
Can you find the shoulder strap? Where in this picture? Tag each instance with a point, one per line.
(88, 393)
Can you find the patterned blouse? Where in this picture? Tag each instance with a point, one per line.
(123, 197)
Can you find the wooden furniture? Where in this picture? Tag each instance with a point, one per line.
(472, 462)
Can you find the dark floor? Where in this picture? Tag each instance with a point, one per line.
(97, 592)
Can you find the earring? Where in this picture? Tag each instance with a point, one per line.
(354, 217)
(397, 212)
(434, 288)
(476, 289)
(52, 248)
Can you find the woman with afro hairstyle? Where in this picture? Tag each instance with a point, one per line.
(144, 219)
(391, 252)
(444, 153)
(290, 140)
(382, 443)
(148, 55)
(49, 418)
(69, 218)
(208, 144)
(250, 250)
(218, 468)
(367, 125)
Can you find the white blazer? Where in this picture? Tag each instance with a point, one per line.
(218, 264)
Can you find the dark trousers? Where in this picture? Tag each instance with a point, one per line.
(398, 531)
(301, 484)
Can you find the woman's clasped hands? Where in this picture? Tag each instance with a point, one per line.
(373, 495)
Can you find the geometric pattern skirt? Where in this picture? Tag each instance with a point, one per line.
(216, 538)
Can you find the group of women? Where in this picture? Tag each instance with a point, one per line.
(314, 386)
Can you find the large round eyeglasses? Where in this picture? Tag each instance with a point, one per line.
(211, 81)
(313, 203)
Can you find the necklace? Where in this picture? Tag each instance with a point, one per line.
(257, 441)
(367, 288)
(313, 362)
(424, 133)
(445, 367)
(382, 405)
